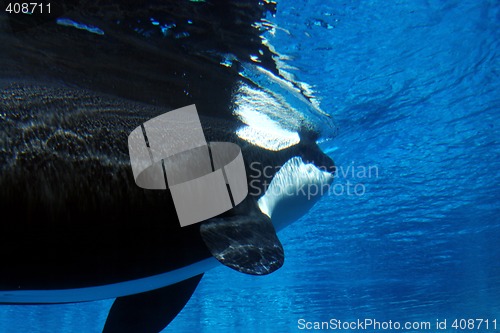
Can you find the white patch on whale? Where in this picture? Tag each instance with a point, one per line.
(293, 191)
(252, 108)
(275, 110)
(270, 138)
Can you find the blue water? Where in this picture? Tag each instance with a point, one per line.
(414, 87)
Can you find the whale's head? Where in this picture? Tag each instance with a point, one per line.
(277, 128)
(279, 120)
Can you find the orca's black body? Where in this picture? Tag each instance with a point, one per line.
(73, 216)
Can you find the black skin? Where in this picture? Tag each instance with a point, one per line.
(73, 216)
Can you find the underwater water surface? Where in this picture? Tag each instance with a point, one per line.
(411, 228)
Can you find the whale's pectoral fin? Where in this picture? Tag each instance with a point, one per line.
(248, 244)
(152, 311)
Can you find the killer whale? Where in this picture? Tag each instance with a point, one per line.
(81, 230)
